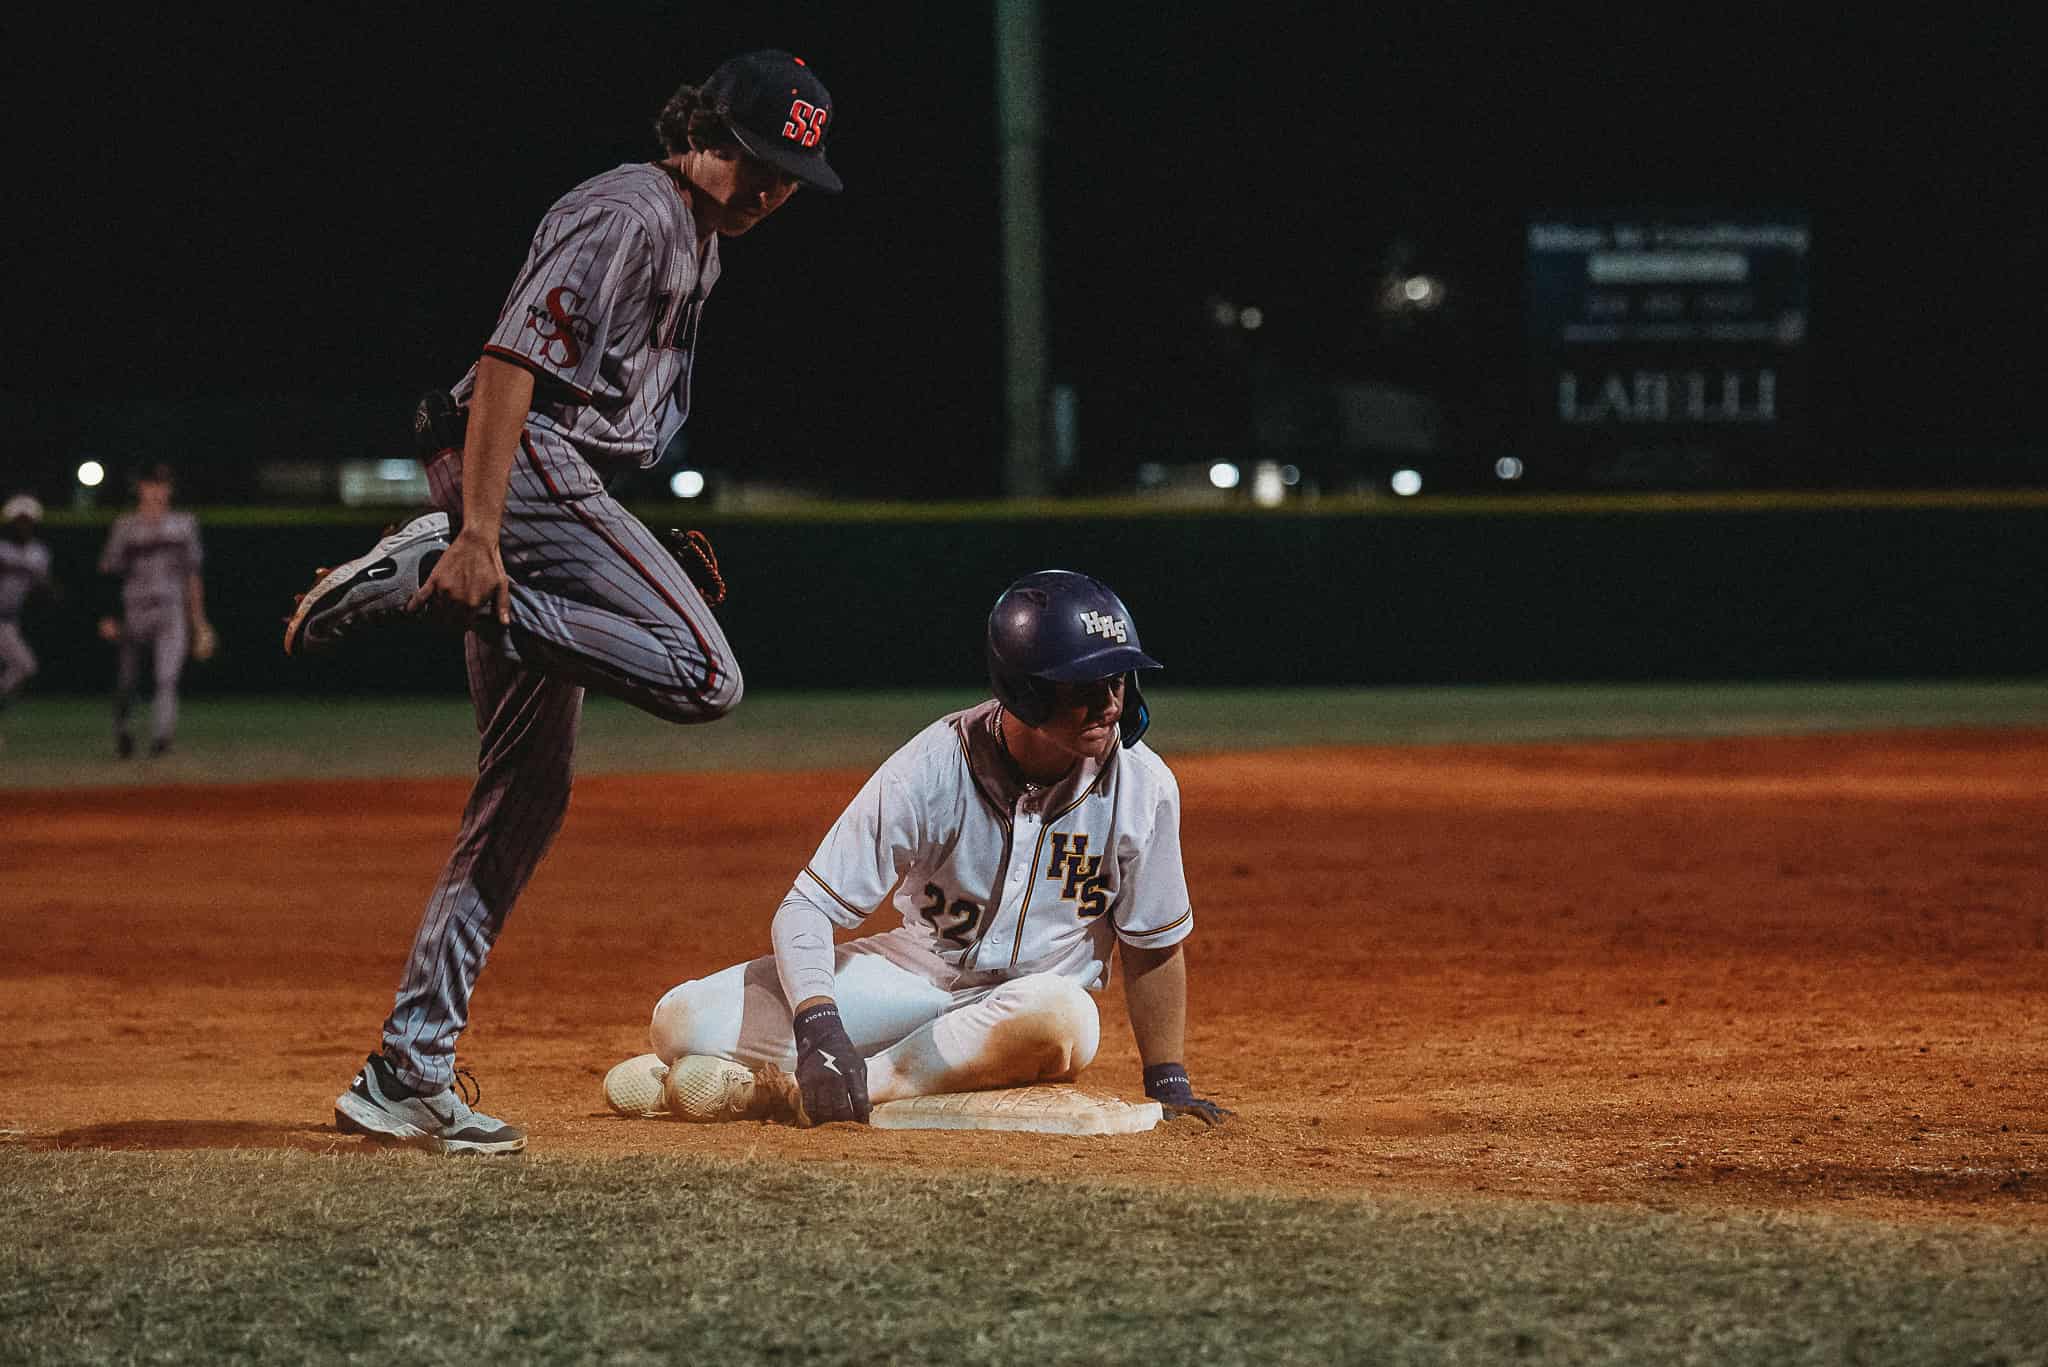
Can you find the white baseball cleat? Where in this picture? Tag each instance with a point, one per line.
(371, 588)
(633, 1088)
(700, 1088)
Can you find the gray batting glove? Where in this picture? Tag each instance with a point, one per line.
(1167, 1084)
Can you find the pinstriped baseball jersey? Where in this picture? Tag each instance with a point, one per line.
(605, 312)
(1007, 880)
(23, 565)
(153, 556)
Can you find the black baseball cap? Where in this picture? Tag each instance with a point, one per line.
(778, 110)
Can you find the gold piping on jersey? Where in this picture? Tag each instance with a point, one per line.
(841, 900)
(1031, 883)
(1149, 934)
(1002, 815)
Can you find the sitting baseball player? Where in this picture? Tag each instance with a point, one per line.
(1021, 841)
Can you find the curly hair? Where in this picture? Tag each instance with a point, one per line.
(686, 122)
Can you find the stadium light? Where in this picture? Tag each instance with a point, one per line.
(1269, 490)
(1406, 483)
(1423, 291)
(1227, 315)
(91, 474)
(686, 483)
(1508, 467)
(1224, 475)
(1411, 294)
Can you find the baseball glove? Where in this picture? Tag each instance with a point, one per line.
(205, 640)
(692, 550)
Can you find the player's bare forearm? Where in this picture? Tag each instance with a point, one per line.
(470, 577)
(1156, 992)
(1156, 995)
(497, 417)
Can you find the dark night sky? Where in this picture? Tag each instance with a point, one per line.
(313, 202)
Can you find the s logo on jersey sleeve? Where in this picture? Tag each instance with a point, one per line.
(560, 327)
(1079, 874)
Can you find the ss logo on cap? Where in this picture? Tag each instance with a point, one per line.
(806, 123)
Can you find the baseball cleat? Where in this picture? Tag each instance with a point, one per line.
(703, 1089)
(371, 588)
(387, 1111)
(633, 1088)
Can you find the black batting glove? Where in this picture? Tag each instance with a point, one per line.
(830, 1072)
(1167, 1084)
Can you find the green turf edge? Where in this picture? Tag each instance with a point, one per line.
(66, 742)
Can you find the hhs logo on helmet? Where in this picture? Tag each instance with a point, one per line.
(1108, 627)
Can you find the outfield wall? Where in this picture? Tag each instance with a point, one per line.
(1447, 591)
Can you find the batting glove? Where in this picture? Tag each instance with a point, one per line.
(1167, 1084)
(830, 1072)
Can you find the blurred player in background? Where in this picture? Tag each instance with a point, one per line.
(1021, 841)
(155, 553)
(24, 568)
(559, 587)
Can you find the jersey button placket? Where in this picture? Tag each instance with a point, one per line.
(1020, 862)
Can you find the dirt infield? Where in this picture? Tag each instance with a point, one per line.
(1796, 972)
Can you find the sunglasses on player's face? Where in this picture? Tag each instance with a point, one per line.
(1095, 695)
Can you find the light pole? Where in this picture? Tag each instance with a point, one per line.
(1021, 132)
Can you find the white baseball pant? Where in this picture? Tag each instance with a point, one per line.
(919, 1037)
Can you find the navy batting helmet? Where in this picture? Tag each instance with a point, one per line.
(1056, 627)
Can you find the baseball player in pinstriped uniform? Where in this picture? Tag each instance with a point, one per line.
(586, 373)
(24, 568)
(155, 553)
(1021, 841)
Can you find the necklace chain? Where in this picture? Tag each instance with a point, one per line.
(1003, 741)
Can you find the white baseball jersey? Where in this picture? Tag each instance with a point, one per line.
(605, 313)
(1005, 880)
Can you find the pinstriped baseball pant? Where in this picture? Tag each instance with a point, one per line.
(17, 661)
(154, 632)
(599, 603)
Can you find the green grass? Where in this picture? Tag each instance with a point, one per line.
(269, 1257)
(46, 742)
